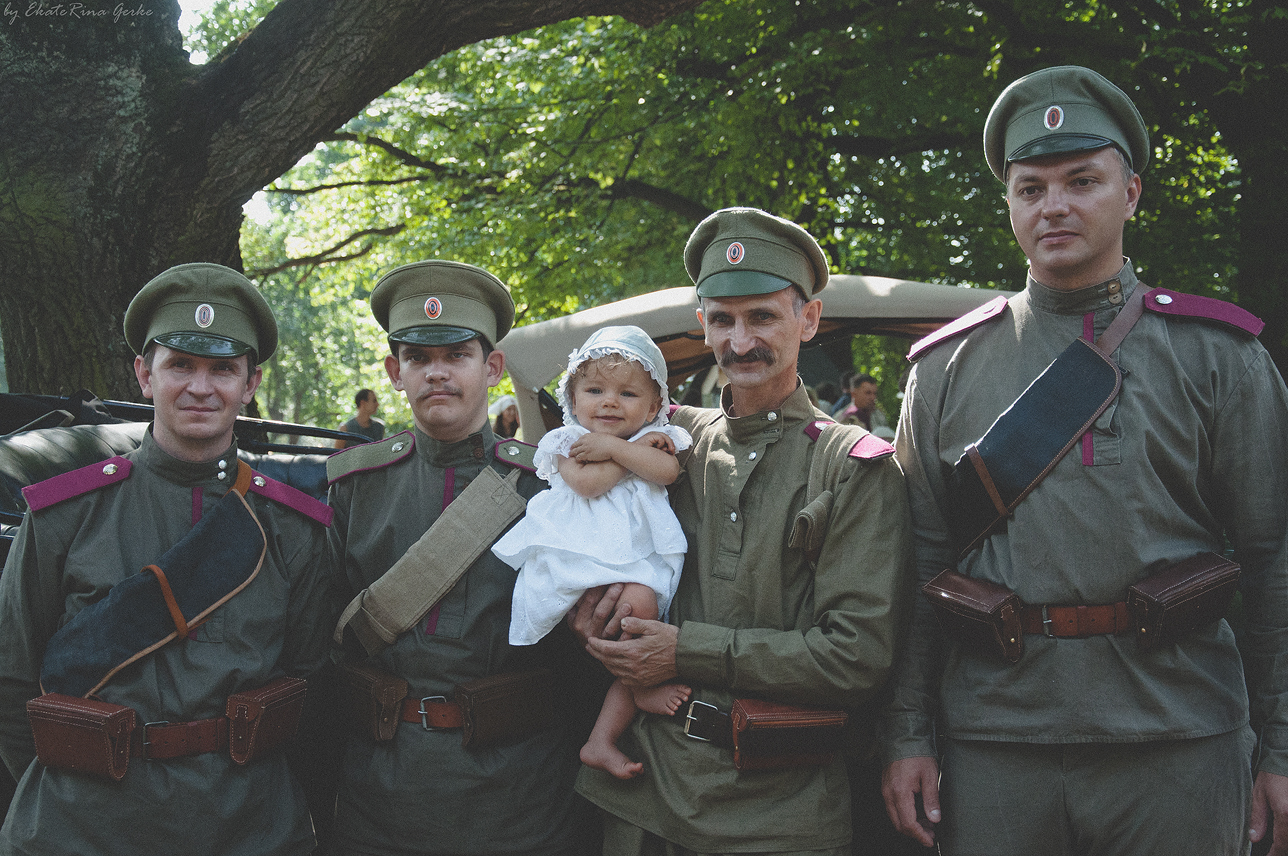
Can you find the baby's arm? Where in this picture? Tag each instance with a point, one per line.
(590, 478)
(646, 458)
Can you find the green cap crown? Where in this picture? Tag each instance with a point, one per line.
(738, 252)
(1062, 109)
(438, 302)
(203, 309)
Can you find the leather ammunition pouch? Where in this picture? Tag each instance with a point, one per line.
(768, 735)
(99, 738)
(261, 720)
(1181, 598)
(370, 700)
(82, 734)
(983, 615)
(496, 709)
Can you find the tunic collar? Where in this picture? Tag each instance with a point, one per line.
(474, 449)
(1109, 294)
(745, 429)
(205, 474)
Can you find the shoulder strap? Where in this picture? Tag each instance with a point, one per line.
(370, 456)
(409, 589)
(514, 453)
(988, 312)
(292, 498)
(78, 482)
(1167, 302)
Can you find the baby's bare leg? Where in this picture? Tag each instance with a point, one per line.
(663, 698)
(643, 601)
(601, 750)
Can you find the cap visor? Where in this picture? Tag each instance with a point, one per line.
(436, 335)
(741, 283)
(201, 345)
(1059, 144)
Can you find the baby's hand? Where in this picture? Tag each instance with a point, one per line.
(658, 440)
(592, 448)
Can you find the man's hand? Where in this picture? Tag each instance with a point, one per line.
(901, 783)
(644, 661)
(1270, 805)
(597, 614)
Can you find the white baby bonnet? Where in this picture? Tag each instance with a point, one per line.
(629, 341)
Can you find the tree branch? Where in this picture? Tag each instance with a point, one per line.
(328, 256)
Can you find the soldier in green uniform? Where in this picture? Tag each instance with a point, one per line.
(417, 788)
(200, 331)
(754, 616)
(1092, 743)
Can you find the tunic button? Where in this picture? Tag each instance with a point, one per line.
(1164, 299)
(109, 469)
(733, 515)
(1113, 287)
(511, 451)
(1115, 298)
(752, 456)
(259, 481)
(223, 465)
(397, 447)
(772, 417)
(223, 476)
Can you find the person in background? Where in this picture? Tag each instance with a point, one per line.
(863, 409)
(505, 417)
(364, 421)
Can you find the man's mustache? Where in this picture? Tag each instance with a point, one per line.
(448, 388)
(755, 355)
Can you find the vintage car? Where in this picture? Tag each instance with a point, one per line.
(537, 354)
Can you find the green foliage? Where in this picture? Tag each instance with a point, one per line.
(574, 160)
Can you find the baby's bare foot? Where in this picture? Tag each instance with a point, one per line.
(663, 698)
(610, 759)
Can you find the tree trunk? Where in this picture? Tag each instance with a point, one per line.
(118, 158)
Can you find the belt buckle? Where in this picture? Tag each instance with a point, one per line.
(1046, 623)
(690, 718)
(146, 742)
(424, 714)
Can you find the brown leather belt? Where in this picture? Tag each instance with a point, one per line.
(706, 722)
(432, 712)
(1076, 621)
(161, 740)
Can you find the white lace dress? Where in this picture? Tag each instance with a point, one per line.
(567, 543)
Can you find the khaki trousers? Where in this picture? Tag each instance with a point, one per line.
(1097, 799)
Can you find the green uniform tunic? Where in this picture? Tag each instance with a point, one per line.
(66, 557)
(755, 621)
(1195, 445)
(423, 792)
